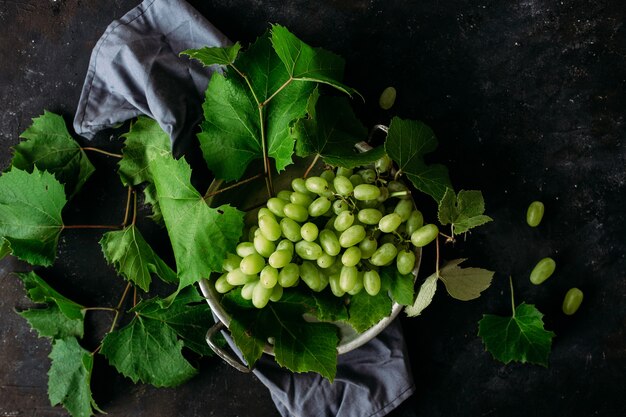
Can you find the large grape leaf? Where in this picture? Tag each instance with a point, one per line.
(69, 378)
(331, 131)
(200, 235)
(400, 286)
(521, 337)
(144, 142)
(299, 345)
(50, 147)
(133, 257)
(366, 310)
(215, 55)
(188, 315)
(30, 214)
(463, 211)
(149, 351)
(306, 63)
(407, 143)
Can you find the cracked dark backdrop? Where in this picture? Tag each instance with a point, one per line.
(527, 99)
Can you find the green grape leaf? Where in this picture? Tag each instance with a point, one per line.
(200, 235)
(69, 378)
(150, 198)
(520, 338)
(366, 310)
(149, 351)
(40, 292)
(188, 315)
(50, 147)
(299, 345)
(231, 134)
(400, 287)
(30, 214)
(5, 248)
(133, 257)
(407, 143)
(143, 143)
(306, 63)
(464, 283)
(52, 322)
(331, 131)
(424, 296)
(463, 211)
(214, 55)
(329, 308)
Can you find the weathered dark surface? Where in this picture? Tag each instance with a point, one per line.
(527, 99)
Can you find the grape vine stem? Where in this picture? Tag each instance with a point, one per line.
(308, 170)
(512, 298)
(115, 155)
(230, 187)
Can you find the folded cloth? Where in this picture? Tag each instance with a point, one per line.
(135, 69)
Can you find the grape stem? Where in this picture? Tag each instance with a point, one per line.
(400, 194)
(437, 256)
(308, 170)
(115, 155)
(512, 298)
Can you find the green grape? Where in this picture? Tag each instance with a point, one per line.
(328, 175)
(264, 211)
(343, 186)
(365, 204)
(310, 275)
(348, 278)
(340, 206)
(308, 250)
(252, 264)
(535, 214)
(237, 277)
(542, 271)
(324, 280)
(316, 185)
(335, 268)
(329, 193)
(290, 229)
(276, 206)
(299, 185)
(221, 284)
(571, 302)
(424, 235)
(405, 262)
(343, 221)
(351, 256)
(384, 195)
(384, 255)
(356, 180)
(277, 293)
(387, 238)
(371, 282)
(415, 221)
(256, 233)
(270, 228)
(309, 231)
(325, 261)
(264, 246)
(330, 224)
(368, 246)
(288, 276)
(364, 192)
(329, 242)
(389, 223)
(352, 235)
(284, 195)
(244, 249)
(334, 285)
(387, 98)
(285, 244)
(345, 172)
(296, 212)
(370, 216)
(404, 208)
(319, 207)
(231, 262)
(395, 186)
(301, 199)
(261, 296)
(248, 290)
(268, 276)
(368, 175)
(383, 164)
(358, 285)
(280, 258)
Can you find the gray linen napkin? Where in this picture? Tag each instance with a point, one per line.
(135, 69)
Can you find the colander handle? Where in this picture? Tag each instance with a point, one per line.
(227, 357)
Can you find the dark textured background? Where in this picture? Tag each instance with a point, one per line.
(527, 99)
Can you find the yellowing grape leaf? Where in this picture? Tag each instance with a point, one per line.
(465, 283)
(424, 296)
(407, 143)
(520, 338)
(69, 378)
(50, 147)
(30, 214)
(133, 257)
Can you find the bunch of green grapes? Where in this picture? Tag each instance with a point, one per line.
(334, 230)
